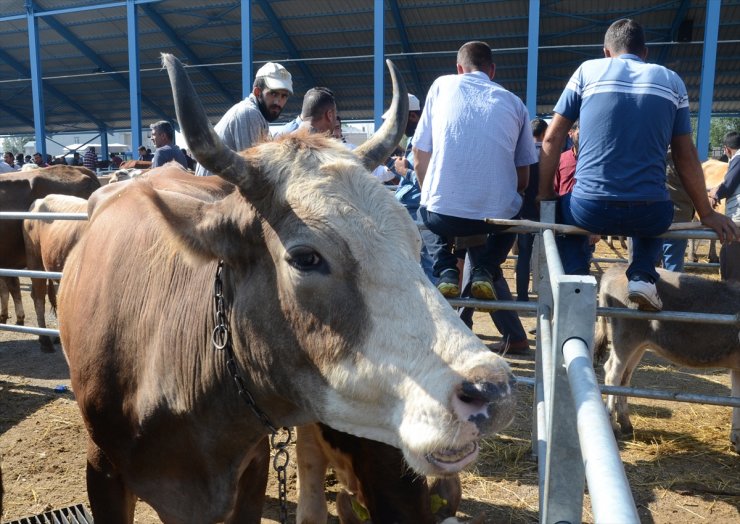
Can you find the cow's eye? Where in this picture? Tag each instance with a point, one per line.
(305, 259)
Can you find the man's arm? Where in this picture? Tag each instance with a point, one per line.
(686, 160)
(552, 146)
(421, 163)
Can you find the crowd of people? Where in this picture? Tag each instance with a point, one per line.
(470, 152)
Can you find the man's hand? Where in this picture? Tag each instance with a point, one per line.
(726, 229)
(712, 194)
(400, 165)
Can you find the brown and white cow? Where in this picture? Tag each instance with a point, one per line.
(378, 484)
(685, 344)
(714, 173)
(330, 315)
(18, 190)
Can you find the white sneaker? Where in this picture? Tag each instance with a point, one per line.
(645, 295)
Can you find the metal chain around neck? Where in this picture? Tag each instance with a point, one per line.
(221, 340)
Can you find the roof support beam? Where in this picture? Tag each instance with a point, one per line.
(287, 42)
(134, 80)
(378, 55)
(246, 27)
(155, 17)
(706, 90)
(83, 48)
(671, 36)
(406, 45)
(533, 43)
(17, 114)
(36, 81)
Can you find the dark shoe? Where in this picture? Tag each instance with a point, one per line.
(510, 348)
(449, 283)
(481, 285)
(644, 294)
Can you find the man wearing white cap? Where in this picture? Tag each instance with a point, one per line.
(246, 123)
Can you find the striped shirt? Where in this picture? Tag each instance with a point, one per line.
(629, 111)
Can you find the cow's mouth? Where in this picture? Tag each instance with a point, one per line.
(453, 460)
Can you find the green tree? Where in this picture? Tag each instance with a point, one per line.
(15, 143)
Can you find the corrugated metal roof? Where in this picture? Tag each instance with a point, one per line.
(84, 53)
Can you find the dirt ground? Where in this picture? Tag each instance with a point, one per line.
(679, 463)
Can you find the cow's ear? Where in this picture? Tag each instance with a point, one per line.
(203, 231)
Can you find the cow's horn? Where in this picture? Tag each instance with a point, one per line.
(381, 144)
(206, 146)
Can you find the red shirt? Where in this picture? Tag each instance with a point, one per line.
(565, 177)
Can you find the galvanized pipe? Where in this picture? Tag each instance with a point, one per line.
(611, 496)
(13, 215)
(54, 275)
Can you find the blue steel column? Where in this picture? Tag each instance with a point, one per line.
(104, 154)
(37, 88)
(379, 55)
(134, 79)
(533, 44)
(246, 48)
(706, 91)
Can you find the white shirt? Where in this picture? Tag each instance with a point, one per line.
(5, 168)
(478, 134)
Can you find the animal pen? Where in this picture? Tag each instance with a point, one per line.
(571, 435)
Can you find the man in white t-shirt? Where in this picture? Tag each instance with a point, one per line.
(473, 147)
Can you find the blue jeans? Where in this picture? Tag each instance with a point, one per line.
(489, 256)
(639, 220)
(428, 240)
(507, 322)
(525, 242)
(674, 253)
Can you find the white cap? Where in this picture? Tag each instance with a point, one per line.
(275, 77)
(414, 105)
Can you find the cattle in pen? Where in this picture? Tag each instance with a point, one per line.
(316, 324)
(377, 484)
(685, 344)
(18, 190)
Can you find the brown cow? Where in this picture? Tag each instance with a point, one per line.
(11, 287)
(17, 192)
(319, 327)
(714, 174)
(685, 344)
(47, 243)
(376, 479)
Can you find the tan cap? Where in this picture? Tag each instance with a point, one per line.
(275, 77)
(414, 105)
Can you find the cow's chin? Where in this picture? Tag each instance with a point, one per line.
(453, 460)
(444, 461)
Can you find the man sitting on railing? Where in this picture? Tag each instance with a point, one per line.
(630, 111)
(474, 145)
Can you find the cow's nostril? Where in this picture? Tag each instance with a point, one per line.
(479, 392)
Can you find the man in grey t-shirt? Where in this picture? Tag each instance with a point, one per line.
(246, 123)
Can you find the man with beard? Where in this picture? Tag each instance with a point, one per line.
(246, 123)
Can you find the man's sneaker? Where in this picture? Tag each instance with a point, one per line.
(481, 285)
(448, 283)
(644, 294)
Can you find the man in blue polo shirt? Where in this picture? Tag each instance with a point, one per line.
(630, 112)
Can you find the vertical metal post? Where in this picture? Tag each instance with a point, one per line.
(246, 17)
(134, 80)
(708, 65)
(104, 144)
(379, 55)
(37, 88)
(533, 44)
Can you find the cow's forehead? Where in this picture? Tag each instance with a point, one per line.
(322, 181)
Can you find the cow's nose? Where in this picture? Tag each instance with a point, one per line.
(473, 400)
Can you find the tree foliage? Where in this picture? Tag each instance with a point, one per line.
(14, 144)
